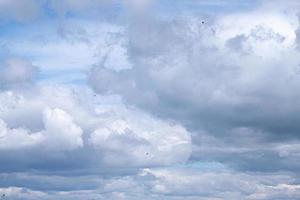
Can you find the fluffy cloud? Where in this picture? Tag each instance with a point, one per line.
(16, 138)
(63, 122)
(60, 134)
(142, 141)
(60, 130)
(63, 132)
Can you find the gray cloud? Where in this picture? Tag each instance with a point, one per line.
(17, 73)
(186, 107)
(215, 77)
(20, 11)
(168, 183)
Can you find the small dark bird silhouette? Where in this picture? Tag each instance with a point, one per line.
(202, 22)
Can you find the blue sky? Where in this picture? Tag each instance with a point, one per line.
(35, 38)
(149, 99)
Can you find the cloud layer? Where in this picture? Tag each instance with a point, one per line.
(149, 100)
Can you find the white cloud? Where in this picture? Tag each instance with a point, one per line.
(65, 120)
(175, 183)
(60, 131)
(11, 139)
(21, 193)
(137, 138)
(220, 185)
(60, 134)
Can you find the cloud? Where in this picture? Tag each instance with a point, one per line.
(16, 73)
(183, 106)
(167, 183)
(20, 11)
(60, 134)
(236, 72)
(16, 138)
(61, 123)
(138, 8)
(188, 183)
(144, 143)
(30, 10)
(64, 7)
(73, 136)
(60, 130)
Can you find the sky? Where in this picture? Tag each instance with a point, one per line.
(149, 99)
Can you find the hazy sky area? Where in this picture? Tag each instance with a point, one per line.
(149, 100)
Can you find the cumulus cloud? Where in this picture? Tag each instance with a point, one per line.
(60, 130)
(145, 143)
(16, 138)
(60, 134)
(117, 136)
(70, 135)
(235, 72)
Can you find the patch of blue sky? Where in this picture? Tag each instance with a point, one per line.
(44, 47)
(66, 77)
(57, 52)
